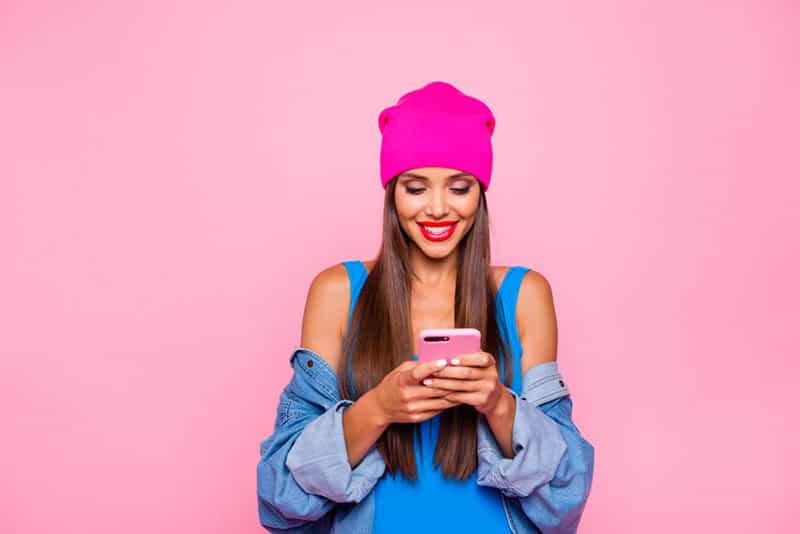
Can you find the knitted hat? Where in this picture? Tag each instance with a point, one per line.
(437, 126)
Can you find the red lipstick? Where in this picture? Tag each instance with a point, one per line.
(430, 236)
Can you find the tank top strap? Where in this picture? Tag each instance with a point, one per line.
(357, 273)
(509, 294)
(507, 297)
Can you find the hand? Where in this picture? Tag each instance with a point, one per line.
(471, 379)
(402, 399)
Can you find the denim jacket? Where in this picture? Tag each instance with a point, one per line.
(306, 485)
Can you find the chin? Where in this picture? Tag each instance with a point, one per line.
(437, 250)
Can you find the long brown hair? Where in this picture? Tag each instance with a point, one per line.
(380, 338)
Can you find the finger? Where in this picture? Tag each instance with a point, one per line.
(422, 416)
(426, 392)
(466, 397)
(474, 359)
(452, 385)
(425, 369)
(462, 373)
(406, 365)
(404, 368)
(426, 405)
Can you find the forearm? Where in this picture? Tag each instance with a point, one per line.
(363, 424)
(501, 421)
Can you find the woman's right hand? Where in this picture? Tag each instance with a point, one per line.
(402, 398)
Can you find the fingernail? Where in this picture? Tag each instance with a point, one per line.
(455, 361)
(441, 363)
(427, 381)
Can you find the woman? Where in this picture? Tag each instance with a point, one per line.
(369, 440)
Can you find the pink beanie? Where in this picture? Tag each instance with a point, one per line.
(437, 126)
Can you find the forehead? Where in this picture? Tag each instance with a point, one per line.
(435, 173)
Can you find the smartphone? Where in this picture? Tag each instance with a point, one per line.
(436, 343)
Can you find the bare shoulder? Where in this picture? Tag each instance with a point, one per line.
(536, 320)
(535, 286)
(325, 315)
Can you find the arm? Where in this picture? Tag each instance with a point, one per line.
(557, 507)
(324, 323)
(501, 421)
(304, 469)
(283, 506)
(535, 323)
(363, 424)
(553, 464)
(317, 457)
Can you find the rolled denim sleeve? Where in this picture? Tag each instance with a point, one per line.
(283, 506)
(551, 471)
(318, 460)
(304, 471)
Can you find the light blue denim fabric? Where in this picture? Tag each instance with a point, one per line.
(306, 485)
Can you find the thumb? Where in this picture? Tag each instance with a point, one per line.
(406, 368)
(407, 365)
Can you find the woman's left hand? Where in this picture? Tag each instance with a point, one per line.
(473, 379)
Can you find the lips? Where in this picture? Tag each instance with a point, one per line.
(433, 231)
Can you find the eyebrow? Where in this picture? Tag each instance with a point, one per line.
(420, 177)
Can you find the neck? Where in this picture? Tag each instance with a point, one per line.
(433, 272)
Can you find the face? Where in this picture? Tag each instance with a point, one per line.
(436, 207)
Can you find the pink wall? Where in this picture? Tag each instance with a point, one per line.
(173, 175)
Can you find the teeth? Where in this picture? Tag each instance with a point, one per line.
(438, 231)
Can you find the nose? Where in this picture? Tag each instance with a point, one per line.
(437, 207)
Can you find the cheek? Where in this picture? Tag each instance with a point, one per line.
(400, 205)
(467, 208)
(407, 208)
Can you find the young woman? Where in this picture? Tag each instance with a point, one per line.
(367, 439)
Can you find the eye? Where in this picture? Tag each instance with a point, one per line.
(460, 190)
(414, 190)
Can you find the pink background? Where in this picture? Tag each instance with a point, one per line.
(174, 174)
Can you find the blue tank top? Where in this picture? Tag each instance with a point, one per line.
(435, 503)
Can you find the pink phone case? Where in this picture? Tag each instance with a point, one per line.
(435, 343)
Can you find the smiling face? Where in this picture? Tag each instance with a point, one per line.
(436, 207)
